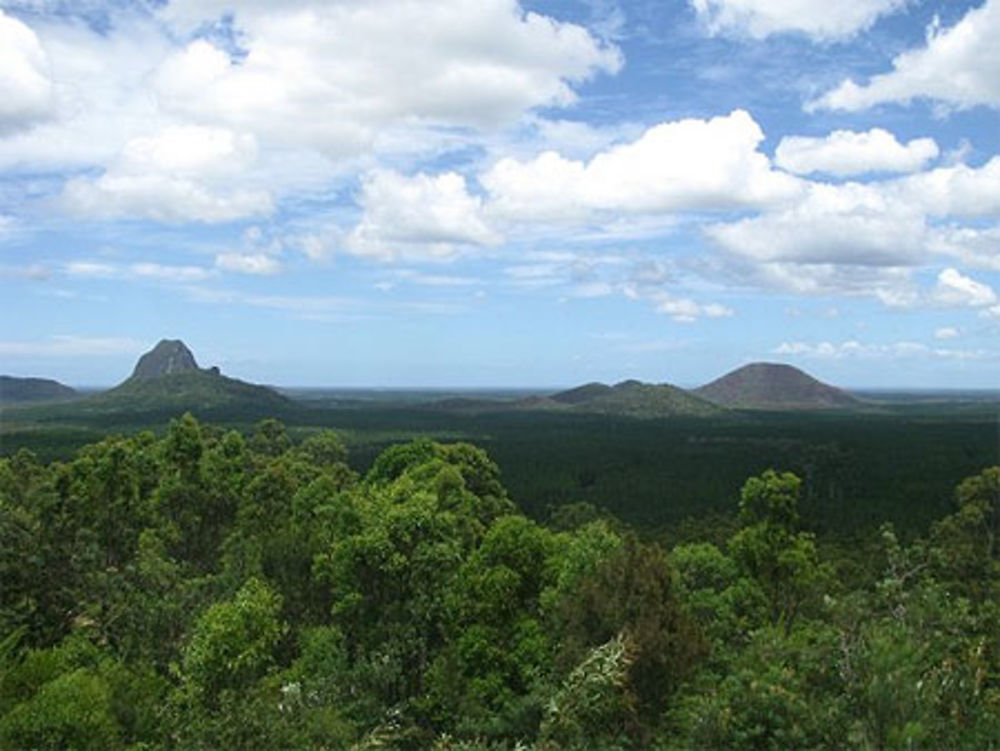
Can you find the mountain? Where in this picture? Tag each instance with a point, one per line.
(14, 389)
(168, 378)
(168, 357)
(765, 385)
(635, 399)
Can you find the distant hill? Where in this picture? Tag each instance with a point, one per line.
(764, 385)
(637, 399)
(168, 378)
(13, 389)
(626, 399)
(582, 394)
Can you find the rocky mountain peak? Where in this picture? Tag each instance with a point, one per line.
(167, 357)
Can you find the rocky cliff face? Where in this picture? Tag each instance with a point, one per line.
(168, 357)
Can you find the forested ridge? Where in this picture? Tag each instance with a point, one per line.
(207, 589)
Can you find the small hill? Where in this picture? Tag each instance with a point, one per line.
(13, 389)
(774, 386)
(167, 378)
(582, 394)
(631, 399)
(637, 399)
(625, 399)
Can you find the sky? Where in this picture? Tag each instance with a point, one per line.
(500, 193)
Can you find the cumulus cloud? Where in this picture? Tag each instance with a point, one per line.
(99, 95)
(25, 84)
(682, 165)
(420, 216)
(959, 66)
(958, 190)
(892, 286)
(821, 20)
(955, 289)
(294, 98)
(836, 235)
(851, 224)
(976, 247)
(844, 153)
(177, 174)
(333, 74)
(947, 332)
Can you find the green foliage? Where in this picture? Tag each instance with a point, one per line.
(768, 548)
(594, 707)
(201, 590)
(233, 642)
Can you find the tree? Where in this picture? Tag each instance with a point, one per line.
(233, 642)
(769, 549)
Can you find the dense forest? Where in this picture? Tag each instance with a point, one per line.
(208, 588)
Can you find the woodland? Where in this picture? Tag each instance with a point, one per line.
(205, 587)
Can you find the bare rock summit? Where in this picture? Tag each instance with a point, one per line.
(166, 358)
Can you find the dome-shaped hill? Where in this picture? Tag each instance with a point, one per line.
(14, 389)
(582, 394)
(635, 399)
(765, 385)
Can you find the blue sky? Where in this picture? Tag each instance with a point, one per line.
(494, 193)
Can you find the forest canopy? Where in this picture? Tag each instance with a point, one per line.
(210, 589)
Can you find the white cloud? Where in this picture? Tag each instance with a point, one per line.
(100, 94)
(844, 152)
(975, 247)
(333, 75)
(433, 280)
(959, 66)
(178, 174)
(684, 310)
(851, 224)
(947, 332)
(259, 264)
(420, 216)
(958, 190)
(70, 345)
(683, 165)
(838, 235)
(180, 274)
(316, 90)
(817, 18)
(25, 86)
(189, 150)
(141, 270)
(160, 198)
(892, 286)
(955, 289)
(903, 350)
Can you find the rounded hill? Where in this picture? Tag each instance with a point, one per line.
(766, 385)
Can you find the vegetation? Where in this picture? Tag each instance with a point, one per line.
(859, 470)
(209, 589)
(32, 389)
